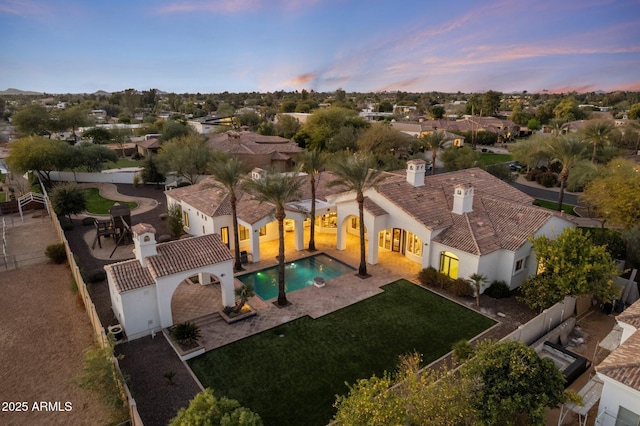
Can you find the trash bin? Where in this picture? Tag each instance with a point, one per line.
(244, 258)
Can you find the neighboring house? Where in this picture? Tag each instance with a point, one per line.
(256, 150)
(620, 372)
(210, 124)
(460, 223)
(419, 130)
(141, 288)
(148, 145)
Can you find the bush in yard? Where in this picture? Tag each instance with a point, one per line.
(206, 409)
(185, 333)
(461, 288)
(498, 290)
(462, 351)
(174, 220)
(56, 253)
(96, 276)
(432, 278)
(547, 179)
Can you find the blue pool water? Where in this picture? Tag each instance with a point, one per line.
(297, 275)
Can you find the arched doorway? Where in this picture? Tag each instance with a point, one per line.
(192, 300)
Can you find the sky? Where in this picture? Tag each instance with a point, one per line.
(213, 46)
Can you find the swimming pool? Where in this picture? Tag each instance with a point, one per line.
(298, 274)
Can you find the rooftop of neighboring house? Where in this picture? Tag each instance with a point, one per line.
(245, 142)
(631, 315)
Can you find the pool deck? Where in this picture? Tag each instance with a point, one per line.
(200, 304)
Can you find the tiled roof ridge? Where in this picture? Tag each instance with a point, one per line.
(472, 232)
(617, 366)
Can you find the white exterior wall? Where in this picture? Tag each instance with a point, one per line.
(124, 176)
(468, 264)
(116, 300)
(614, 395)
(140, 312)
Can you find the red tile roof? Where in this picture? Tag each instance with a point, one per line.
(631, 315)
(623, 364)
(171, 258)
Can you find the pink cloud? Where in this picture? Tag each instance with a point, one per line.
(24, 8)
(213, 6)
(234, 6)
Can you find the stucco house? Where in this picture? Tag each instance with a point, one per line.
(460, 223)
(141, 289)
(620, 373)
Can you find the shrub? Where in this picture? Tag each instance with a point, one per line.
(56, 253)
(174, 220)
(432, 278)
(461, 288)
(462, 350)
(498, 290)
(547, 179)
(88, 221)
(185, 333)
(96, 276)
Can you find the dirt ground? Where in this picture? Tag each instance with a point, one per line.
(44, 331)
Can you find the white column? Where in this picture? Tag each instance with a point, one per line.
(372, 247)
(299, 233)
(226, 288)
(254, 240)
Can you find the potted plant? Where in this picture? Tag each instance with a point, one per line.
(186, 334)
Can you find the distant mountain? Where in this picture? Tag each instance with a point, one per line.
(15, 92)
(102, 93)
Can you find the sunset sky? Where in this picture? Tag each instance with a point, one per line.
(209, 46)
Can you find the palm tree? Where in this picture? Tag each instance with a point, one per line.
(434, 141)
(567, 150)
(597, 133)
(312, 162)
(476, 280)
(355, 174)
(229, 173)
(277, 189)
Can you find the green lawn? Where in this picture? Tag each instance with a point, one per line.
(551, 205)
(124, 162)
(290, 375)
(98, 205)
(3, 197)
(488, 158)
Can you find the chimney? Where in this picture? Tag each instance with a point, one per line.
(144, 242)
(415, 172)
(257, 173)
(462, 199)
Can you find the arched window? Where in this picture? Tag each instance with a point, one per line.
(449, 264)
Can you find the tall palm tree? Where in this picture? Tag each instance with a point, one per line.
(312, 162)
(277, 189)
(434, 141)
(597, 133)
(567, 150)
(229, 173)
(356, 174)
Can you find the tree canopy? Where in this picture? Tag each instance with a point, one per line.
(615, 194)
(68, 199)
(512, 382)
(40, 155)
(93, 157)
(207, 410)
(188, 156)
(571, 265)
(324, 124)
(455, 158)
(408, 397)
